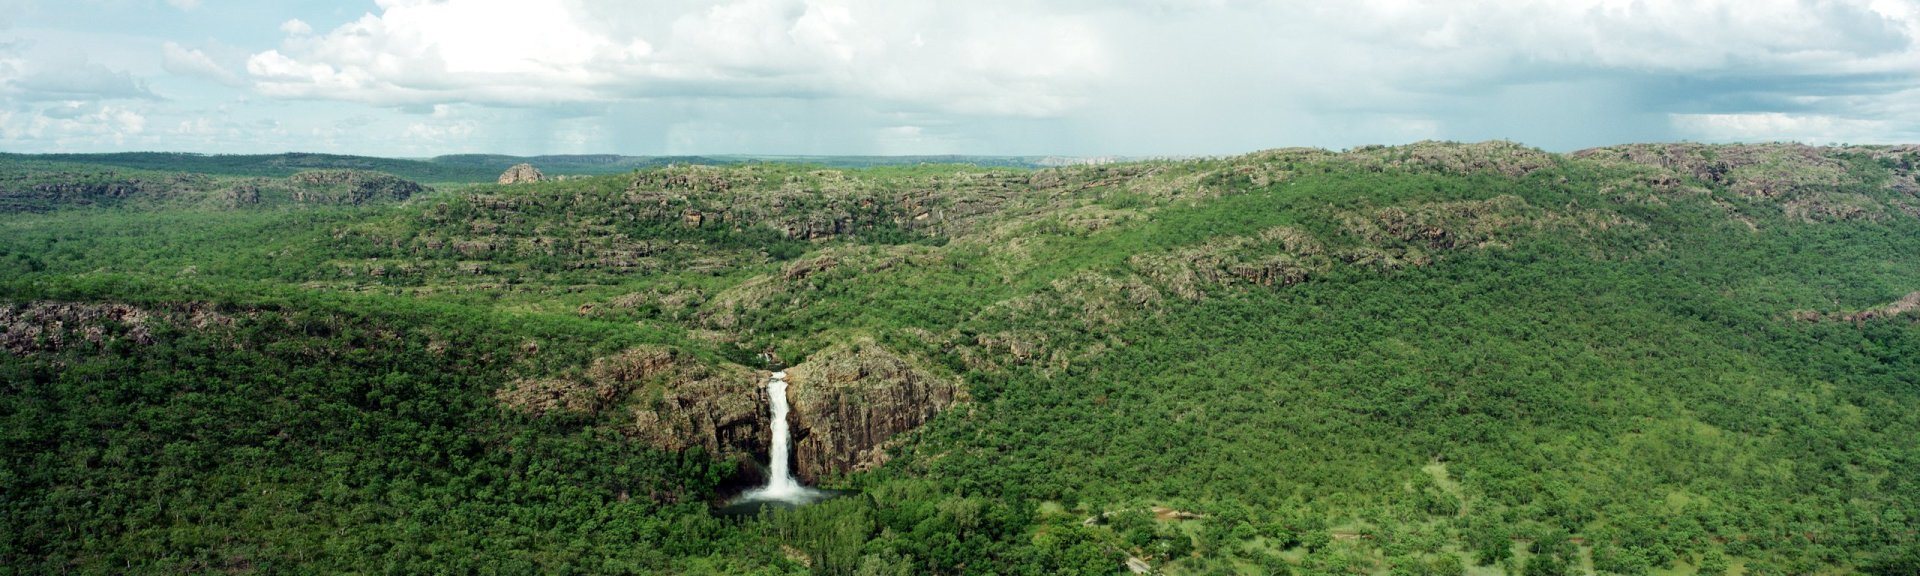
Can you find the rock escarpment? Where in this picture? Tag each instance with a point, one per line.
(48, 326)
(350, 187)
(722, 409)
(521, 174)
(1809, 184)
(664, 397)
(849, 402)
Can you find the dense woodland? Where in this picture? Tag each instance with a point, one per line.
(1436, 359)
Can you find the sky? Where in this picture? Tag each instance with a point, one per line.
(418, 78)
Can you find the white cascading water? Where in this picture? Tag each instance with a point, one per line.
(781, 484)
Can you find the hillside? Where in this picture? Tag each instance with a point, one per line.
(587, 164)
(570, 163)
(38, 187)
(266, 165)
(1438, 358)
(474, 168)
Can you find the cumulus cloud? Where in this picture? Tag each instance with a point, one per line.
(1561, 74)
(72, 124)
(548, 51)
(990, 76)
(1651, 35)
(1388, 68)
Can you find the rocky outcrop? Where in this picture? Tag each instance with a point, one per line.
(849, 401)
(1274, 257)
(353, 187)
(805, 281)
(1810, 184)
(1041, 328)
(1508, 158)
(722, 409)
(664, 397)
(28, 190)
(54, 326)
(48, 326)
(1905, 306)
(675, 401)
(521, 174)
(1909, 303)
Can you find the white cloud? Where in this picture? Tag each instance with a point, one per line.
(72, 78)
(546, 51)
(443, 128)
(990, 76)
(199, 126)
(438, 133)
(184, 4)
(1803, 128)
(419, 51)
(193, 62)
(1463, 45)
(73, 125)
(1009, 58)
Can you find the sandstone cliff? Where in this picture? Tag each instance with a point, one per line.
(664, 397)
(850, 400)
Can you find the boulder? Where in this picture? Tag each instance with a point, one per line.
(521, 174)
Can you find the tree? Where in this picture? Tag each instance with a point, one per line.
(1446, 565)
(1714, 563)
(1547, 565)
(1553, 554)
(1491, 543)
(1618, 560)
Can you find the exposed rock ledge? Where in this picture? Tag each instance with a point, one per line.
(1907, 305)
(674, 400)
(847, 402)
(49, 326)
(521, 174)
(850, 400)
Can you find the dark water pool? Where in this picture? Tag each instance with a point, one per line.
(746, 506)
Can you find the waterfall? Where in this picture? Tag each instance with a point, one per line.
(781, 485)
(782, 489)
(780, 482)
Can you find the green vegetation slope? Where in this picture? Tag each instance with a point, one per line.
(1431, 359)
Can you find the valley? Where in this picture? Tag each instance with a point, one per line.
(1437, 359)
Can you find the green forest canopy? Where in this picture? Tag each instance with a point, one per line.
(1412, 360)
